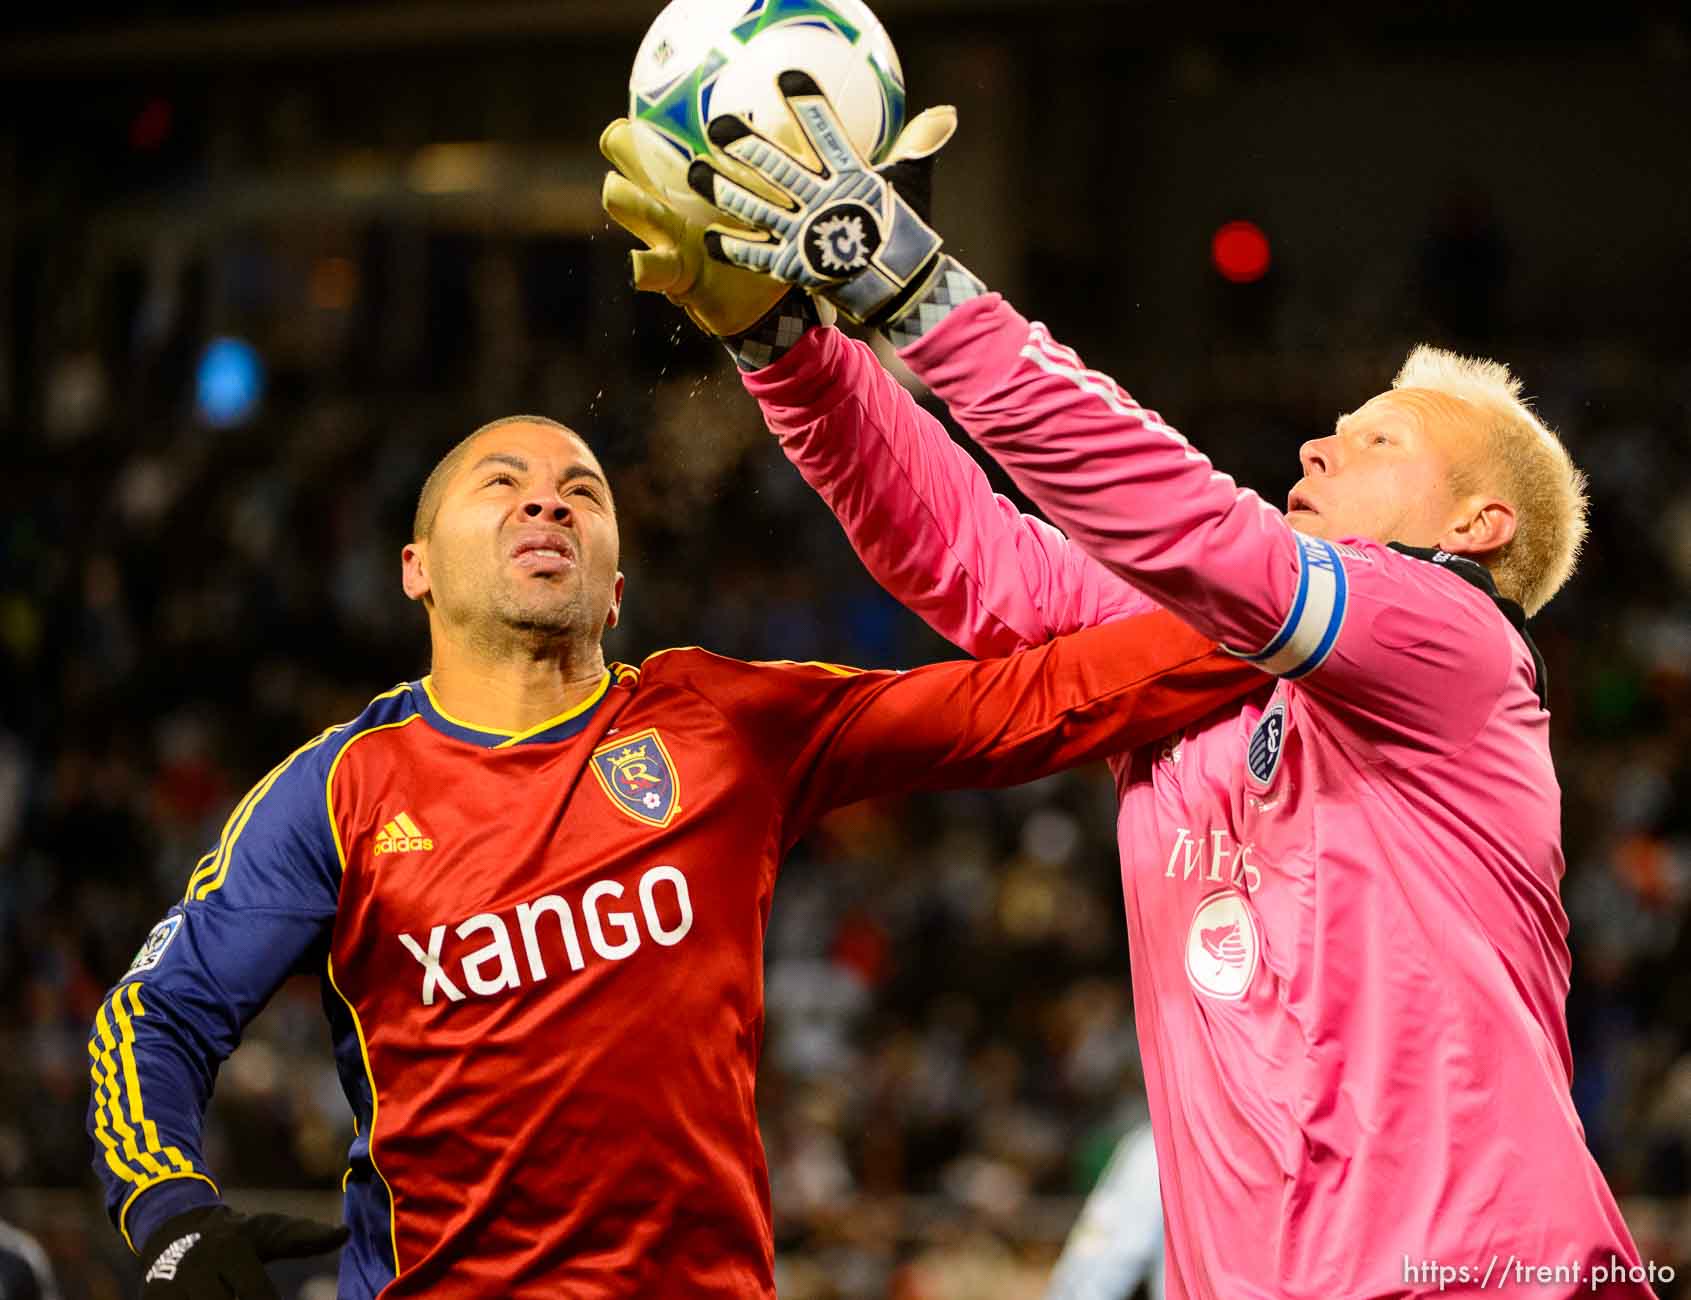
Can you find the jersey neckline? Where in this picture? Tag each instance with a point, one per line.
(1477, 575)
(564, 726)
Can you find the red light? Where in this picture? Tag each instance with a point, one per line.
(151, 127)
(1240, 252)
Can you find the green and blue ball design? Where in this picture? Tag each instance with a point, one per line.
(679, 109)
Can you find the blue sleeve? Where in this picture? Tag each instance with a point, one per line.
(258, 908)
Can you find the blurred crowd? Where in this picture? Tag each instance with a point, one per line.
(950, 1055)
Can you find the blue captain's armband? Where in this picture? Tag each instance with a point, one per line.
(1312, 626)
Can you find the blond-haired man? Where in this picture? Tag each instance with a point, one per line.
(1348, 951)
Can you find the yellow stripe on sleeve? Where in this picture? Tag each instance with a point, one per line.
(212, 877)
(109, 1045)
(102, 1132)
(112, 1069)
(200, 866)
(137, 1112)
(123, 1214)
(209, 875)
(207, 866)
(124, 1156)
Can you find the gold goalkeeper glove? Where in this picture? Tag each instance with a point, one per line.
(722, 300)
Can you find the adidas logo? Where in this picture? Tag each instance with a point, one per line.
(402, 835)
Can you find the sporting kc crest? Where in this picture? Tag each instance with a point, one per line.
(1262, 757)
(637, 773)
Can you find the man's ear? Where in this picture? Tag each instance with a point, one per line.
(614, 614)
(414, 570)
(1485, 528)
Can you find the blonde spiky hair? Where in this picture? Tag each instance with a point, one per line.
(1523, 461)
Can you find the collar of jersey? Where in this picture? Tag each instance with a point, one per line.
(569, 723)
(1476, 574)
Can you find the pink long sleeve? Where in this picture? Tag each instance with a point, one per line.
(919, 511)
(1407, 656)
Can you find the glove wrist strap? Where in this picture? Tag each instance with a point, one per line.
(933, 297)
(776, 332)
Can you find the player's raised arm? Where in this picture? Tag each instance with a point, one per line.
(920, 513)
(1122, 485)
(1431, 519)
(1449, 462)
(915, 506)
(1132, 491)
(258, 908)
(829, 735)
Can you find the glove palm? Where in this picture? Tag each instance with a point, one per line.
(721, 299)
(854, 234)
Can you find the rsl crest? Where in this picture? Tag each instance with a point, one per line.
(638, 774)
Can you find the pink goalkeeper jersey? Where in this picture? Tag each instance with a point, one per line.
(1348, 951)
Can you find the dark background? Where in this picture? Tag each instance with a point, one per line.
(397, 208)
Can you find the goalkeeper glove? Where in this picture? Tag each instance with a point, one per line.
(854, 234)
(213, 1253)
(721, 300)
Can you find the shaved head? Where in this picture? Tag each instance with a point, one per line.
(515, 545)
(428, 500)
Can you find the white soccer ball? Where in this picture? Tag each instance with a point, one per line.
(703, 58)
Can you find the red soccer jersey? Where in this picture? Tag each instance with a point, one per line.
(544, 952)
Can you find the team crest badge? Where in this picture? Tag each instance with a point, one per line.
(637, 773)
(1262, 755)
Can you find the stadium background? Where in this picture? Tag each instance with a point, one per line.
(395, 208)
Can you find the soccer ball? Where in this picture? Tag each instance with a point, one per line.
(703, 58)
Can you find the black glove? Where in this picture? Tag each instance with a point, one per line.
(843, 229)
(213, 1253)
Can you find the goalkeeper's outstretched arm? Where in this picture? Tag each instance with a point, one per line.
(915, 506)
(1397, 640)
(920, 512)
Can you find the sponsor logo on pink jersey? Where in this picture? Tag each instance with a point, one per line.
(1221, 946)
